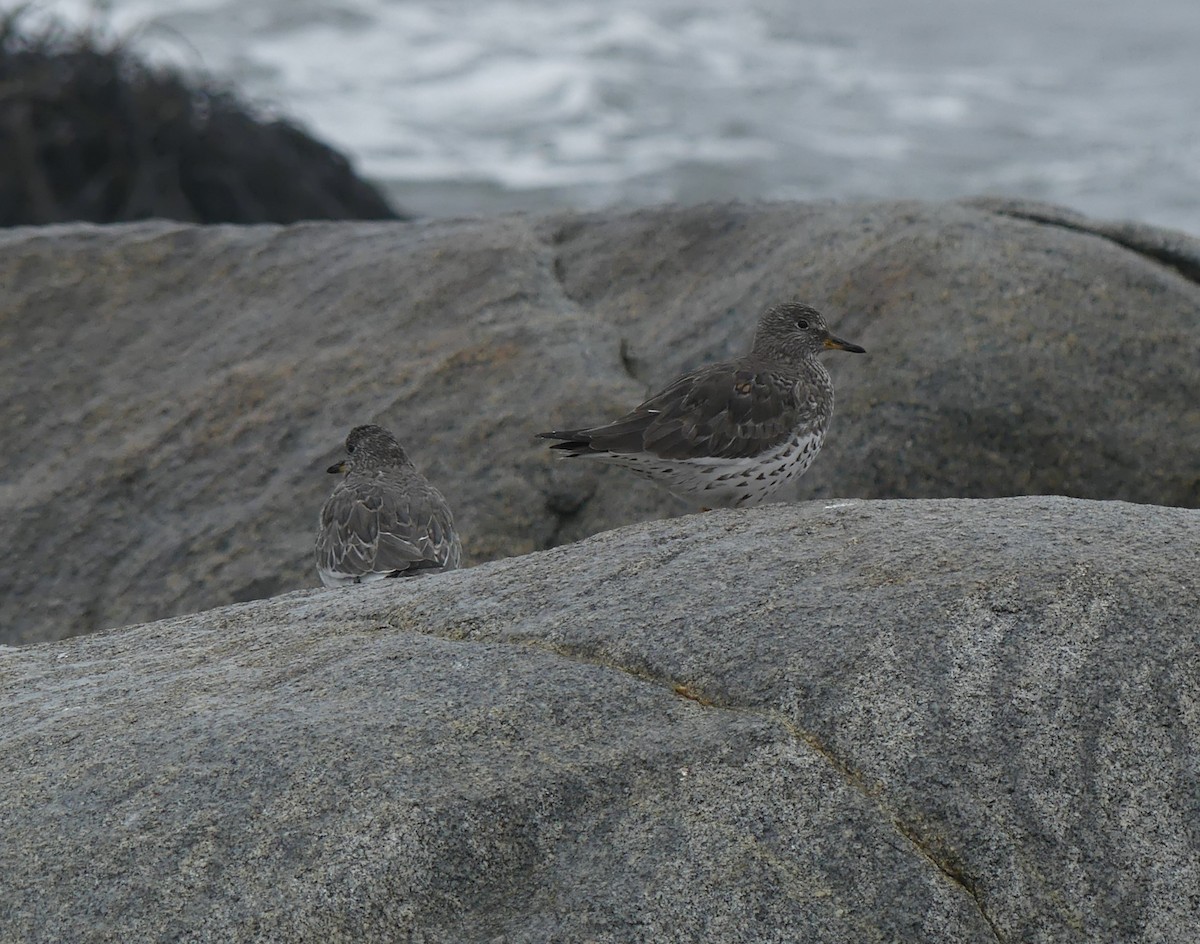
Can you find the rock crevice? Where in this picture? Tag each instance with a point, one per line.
(202, 378)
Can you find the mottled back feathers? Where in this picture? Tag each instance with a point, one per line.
(383, 519)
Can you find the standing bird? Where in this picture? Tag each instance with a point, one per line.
(383, 519)
(729, 434)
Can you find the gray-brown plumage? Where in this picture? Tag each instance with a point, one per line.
(383, 519)
(733, 433)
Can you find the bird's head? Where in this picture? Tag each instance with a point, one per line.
(369, 448)
(793, 330)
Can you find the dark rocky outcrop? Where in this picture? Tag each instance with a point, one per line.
(911, 721)
(170, 395)
(90, 132)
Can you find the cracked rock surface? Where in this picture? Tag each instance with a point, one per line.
(926, 721)
(170, 395)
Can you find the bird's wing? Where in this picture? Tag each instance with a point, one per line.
(419, 518)
(369, 525)
(724, 410)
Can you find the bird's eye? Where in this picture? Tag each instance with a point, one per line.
(349, 448)
(802, 325)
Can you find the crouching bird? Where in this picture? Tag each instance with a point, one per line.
(383, 519)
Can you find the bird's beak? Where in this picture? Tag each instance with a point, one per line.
(837, 344)
(337, 467)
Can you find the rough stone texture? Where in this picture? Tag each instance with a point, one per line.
(926, 721)
(170, 395)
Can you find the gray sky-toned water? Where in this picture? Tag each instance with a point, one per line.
(477, 107)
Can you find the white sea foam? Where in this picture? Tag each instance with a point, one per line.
(1089, 102)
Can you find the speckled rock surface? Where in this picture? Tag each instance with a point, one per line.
(925, 721)
(171, 395)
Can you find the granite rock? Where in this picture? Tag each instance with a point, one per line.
(170, 395)
(956, 721)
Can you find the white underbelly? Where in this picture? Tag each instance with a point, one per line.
(731, 482)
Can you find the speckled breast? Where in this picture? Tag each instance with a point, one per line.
(734, 483)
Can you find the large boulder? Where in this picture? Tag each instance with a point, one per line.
(170, 395)
(958, 721)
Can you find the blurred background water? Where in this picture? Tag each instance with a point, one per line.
(461, 107)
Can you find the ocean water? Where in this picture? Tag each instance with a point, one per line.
(460, 107)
